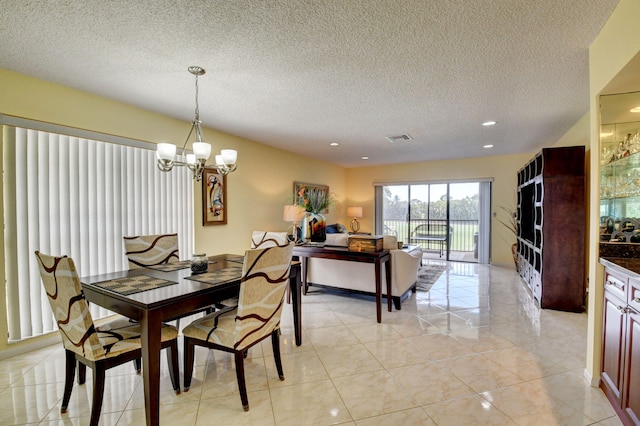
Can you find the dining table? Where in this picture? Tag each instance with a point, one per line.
(156, 294)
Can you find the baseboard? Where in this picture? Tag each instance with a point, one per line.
(30, 345)
(593, 382)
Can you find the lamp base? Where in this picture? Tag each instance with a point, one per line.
(355, 225)
(293, 233)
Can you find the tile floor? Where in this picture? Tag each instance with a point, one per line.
(473, 350)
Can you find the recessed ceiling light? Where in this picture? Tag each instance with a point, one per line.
(334, 144)
(489, 123)
(636, 109)
(487, 146)
(364, 158)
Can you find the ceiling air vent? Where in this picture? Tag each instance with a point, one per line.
(400, 138)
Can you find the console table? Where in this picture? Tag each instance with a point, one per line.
(342, 253)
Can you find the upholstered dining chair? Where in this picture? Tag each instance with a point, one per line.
(264, 239)
(265, 274)
(150, 250)
(99, 348)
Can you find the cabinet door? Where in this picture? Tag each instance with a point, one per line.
(613, 345)
(631, 394)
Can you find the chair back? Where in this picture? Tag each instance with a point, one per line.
(70, 309)
(149, 250)
(265, 276)
(264, 239)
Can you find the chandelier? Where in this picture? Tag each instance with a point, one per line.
(196, 162)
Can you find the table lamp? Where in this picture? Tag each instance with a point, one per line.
(293, 213)
(355, 213)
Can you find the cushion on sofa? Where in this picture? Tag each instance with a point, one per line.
(332, 229)
(389, 242)
(340, 240)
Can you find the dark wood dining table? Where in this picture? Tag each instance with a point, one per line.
(180, 297)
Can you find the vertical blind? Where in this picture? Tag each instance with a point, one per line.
(66, 195)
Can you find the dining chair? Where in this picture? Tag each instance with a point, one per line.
(100, 348)
(265, 275)
(150, 250)
(264, 239)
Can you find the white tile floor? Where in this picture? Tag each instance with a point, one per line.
(473, 350)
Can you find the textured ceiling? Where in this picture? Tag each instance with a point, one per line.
(299, 74)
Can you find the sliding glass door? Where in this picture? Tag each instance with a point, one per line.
(448, 220)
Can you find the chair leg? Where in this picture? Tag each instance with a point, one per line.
(188, 362)
(98, 392)
(172, 361)
(275, 345)
(242, 386)
(69, 372)
(82, 373)
(137, 363)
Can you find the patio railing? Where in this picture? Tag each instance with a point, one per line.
(462, 238)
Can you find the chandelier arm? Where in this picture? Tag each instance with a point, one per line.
(188, 136)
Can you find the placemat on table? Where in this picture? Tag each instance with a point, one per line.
(135, 284)
(170, 267)
(218, 277)
(235, 258)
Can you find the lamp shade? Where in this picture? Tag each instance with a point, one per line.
(293, 213)
(229, 156)
(354, 211)
(202, 150)
(166, 151)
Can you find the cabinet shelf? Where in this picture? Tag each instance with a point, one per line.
(551, 189)
(619, 178)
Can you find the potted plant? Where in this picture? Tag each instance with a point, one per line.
(314, 201)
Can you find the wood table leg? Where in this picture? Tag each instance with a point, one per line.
(295, 284)
(150, 330)
(378, 292)
(304, 264)
(388, 273)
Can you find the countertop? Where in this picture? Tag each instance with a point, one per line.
(631, 266)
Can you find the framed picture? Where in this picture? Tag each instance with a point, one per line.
(214, 198)
(314, 194)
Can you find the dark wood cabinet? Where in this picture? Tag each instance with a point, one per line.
(620, 375)
(551, 219)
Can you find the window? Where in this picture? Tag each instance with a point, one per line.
(78, 196)
(453, 216)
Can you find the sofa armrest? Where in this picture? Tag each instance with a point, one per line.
(405, 265)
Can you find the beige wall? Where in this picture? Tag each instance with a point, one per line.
(616, 45)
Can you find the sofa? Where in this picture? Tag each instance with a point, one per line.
(360, 277)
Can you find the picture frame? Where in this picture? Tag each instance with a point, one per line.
(298, 186)
(214, 198)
